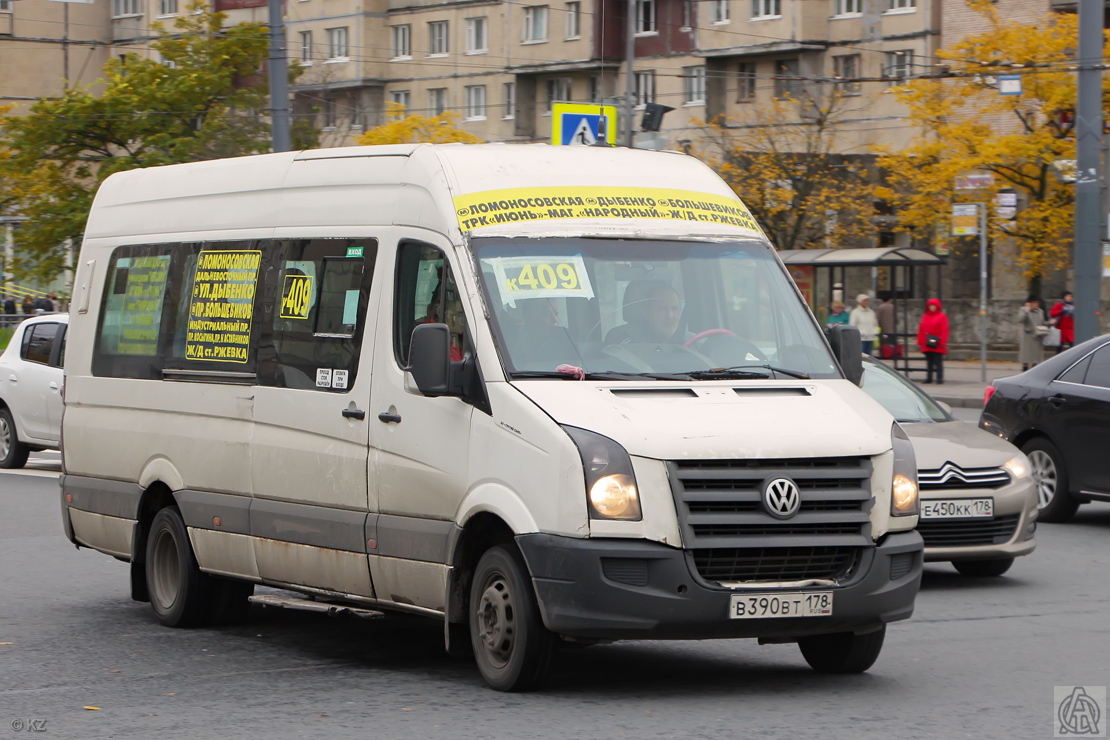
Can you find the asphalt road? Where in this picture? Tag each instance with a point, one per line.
(978, 660)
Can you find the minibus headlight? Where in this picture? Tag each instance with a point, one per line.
(1018, 467)
(903, 490)
(610, 483)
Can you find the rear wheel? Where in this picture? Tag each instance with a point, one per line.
(843, 652)
(180, 593)
(13, 453)
(983, 568)
(1051, 477)
(512, 647)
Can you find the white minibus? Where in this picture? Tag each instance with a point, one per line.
(547, 395)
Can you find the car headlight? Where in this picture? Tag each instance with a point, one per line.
(1018, 467)
(903, 489)
(610, 482)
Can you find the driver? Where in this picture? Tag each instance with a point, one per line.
(652, 310)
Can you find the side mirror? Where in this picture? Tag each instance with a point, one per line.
(430, 359)
(848, 348)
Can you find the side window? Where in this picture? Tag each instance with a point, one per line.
(38, 343)
(62, 351)
(131, 315)
(1076, 372)
(314, 312)
(1098, 373)
(426, 293)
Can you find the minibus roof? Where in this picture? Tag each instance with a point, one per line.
(454, 189)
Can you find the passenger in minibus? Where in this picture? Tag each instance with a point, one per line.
(652, 310)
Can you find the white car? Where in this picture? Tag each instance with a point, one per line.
(978, 499)
(31, 388)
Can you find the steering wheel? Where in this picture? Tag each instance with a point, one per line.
(707, 333)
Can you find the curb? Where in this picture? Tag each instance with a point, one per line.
(962, 403)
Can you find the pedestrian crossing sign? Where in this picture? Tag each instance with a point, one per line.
(578, 123)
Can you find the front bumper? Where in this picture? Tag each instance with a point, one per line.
(1018, 500)
(634, 589)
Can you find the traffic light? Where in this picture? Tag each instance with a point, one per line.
(653, 116)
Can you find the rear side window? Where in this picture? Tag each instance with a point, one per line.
(1076, 372)
(1098, 374)
(38, 343)
(133, 307)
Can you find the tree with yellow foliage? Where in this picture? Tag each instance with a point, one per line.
(967, 126)
(783, 160)
(413, 128)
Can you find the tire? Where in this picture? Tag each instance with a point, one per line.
(13, 453)
(843, 652)
(1054, 498)
(983, 568)
(512, 647)
(180, 594)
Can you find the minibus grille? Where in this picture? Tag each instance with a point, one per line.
(733, 538)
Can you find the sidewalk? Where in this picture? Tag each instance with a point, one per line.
(962, 386)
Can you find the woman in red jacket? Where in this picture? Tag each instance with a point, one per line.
(1063, 318)
(932, 339)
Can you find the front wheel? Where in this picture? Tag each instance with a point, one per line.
(511, 646)
(983, 568)
(179, 592)
(1051, 477)
(13, 453)
(843, 652)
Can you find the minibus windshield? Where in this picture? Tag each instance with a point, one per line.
(625, 309)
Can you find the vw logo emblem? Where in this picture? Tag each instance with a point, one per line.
(781, 498)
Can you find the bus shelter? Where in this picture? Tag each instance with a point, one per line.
(906, 273)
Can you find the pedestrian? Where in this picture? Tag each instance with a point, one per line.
(28, 305)
(1032, 328)
(54, 303)
(864, 319)
(9, 305)
(1063, 318)
(837, 316)
(888, 343)
(42, 303)
(932, 339)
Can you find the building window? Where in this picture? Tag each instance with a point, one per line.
(645, 16)
(719, 11)
(846, 68)
(787, 82)
(746, 83)
(477, 36)
(558, 91)
(475, 102)
(306, 48)
(356, 115)
(167, 7)
(645, 88)
(401, 97)
(437, 38)
(766, 8)
(121, 8)
(509, 91)
(689, 14)
(437, 100)
(848, 7)
(693, 85)
(594, 90)
(402, 42)
(535, 23)
(337, 43)
(899, 65)
(329, 113)
(574, 20)
(903, 4)
(5, 6)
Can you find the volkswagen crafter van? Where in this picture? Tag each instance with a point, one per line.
(544, 394)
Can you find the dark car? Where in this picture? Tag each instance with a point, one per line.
(1058, 413)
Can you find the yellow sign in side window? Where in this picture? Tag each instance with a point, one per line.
(296, 297)
(542, 277)
(221, 308)
(493, 207)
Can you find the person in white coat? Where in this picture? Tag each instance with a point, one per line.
(864, 319)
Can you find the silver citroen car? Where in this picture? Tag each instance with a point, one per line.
(978, 499)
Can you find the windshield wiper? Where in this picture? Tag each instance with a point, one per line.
(605, 375)
(745, 371)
